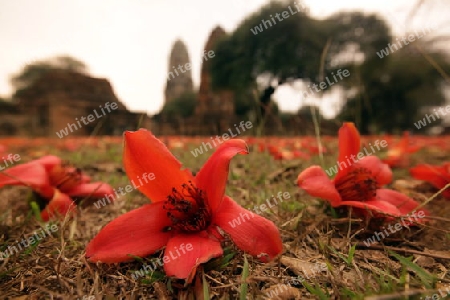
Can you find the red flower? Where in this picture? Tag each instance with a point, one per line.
(398, 155)
(279, 153)
(357, 184)
(438, 176)
(55, 183)
(185, 210)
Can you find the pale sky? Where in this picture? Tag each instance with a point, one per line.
(129, 41)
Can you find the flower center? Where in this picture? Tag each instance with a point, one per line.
(187, 209)
(357, 185)
(65, 176)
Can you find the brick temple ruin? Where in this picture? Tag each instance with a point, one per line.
(60, 97)
(214, 111)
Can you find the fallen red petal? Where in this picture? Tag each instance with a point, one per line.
(146, 157)
(316, 183)
(250, 232)
(58, 207)
(94, 190)
(213, 176)
(349, 144)
(198, 249)
(139, 232)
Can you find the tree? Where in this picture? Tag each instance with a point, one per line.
(353, 35)
(291, 49)
(288, 49)
(392, 95)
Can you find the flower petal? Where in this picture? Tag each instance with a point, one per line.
(381, 171)
(250, 232)
(94, 190)
(213, 176)
(378, 206)
(185, 252)
(29, 174)
(402, 202)
(139, 232)
(49, 161)
(349, 142)
(145, 154)
(389, 202)
(58, 207)
(432, 174)
(316, 183)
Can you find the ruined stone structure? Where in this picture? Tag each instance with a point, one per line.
(179, 77)
(59, 98)
(11, 120)
(215, 109)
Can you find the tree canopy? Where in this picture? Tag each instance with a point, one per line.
(292, 48)
(259, 56)
(392, 96)
(288, 49)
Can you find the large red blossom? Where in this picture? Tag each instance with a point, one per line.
(185, 210)
(438, 176)
(358, 183)
(56, 183)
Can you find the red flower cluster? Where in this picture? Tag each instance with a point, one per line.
(56, 183)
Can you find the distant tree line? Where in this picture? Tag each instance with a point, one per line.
(383, 94)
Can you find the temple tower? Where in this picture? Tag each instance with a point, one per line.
(210, 103)
(179, 76)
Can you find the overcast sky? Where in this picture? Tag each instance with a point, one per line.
(129, 41)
